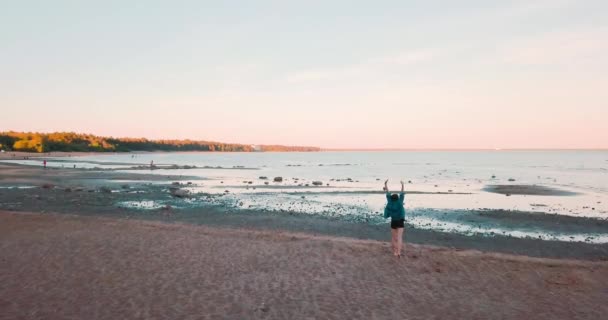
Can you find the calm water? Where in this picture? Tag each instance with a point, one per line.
(440, 181)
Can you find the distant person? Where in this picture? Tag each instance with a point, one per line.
(151, 164)
(395, 210)
(44, 162)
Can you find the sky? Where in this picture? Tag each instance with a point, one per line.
(335, 74)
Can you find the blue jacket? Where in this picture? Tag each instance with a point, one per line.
(394, 208)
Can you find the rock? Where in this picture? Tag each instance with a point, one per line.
(263, 178)
(493, 177)
(125, 186)
(511, 179)
(264, 308)
(68, 189)
(317, 183)
(189, 183)
(409, 181)
(180, 193)
(250, 182)
(105, 190)
(175, 183)
(226, 191)
(278, 179)
(266, 183)
(47, 186)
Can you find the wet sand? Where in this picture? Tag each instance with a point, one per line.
(76, 267)
(95, 193)
(529, 190)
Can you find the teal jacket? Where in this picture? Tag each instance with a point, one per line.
(394, 208)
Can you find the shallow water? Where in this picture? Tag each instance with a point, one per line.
(352, 183)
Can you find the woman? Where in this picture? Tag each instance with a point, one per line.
(395, 210)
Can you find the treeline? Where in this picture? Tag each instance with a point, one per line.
(76, 142)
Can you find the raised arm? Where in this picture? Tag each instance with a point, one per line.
(402, 194)
(386, 185)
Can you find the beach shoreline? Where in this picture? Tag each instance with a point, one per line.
(101, 193)
(71, 248)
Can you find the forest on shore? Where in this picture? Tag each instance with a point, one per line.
(78, 142)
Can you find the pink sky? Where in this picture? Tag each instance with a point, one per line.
(519, 74)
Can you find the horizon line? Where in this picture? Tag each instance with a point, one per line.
(463, 149)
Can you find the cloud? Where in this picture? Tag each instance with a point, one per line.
(528, 7)
(363, 68)
(321, 74)
(558, 48)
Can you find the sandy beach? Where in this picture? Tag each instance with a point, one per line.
(69, 250)
(75, 267)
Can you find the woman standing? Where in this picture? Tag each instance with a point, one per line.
(396, 211)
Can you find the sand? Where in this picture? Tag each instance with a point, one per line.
(78, 267)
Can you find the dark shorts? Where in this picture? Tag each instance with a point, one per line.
(396, 224)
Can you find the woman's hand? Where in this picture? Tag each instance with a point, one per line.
(402, 186)
(386, 185)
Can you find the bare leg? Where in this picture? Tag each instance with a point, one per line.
(399, 240)
(394, 244)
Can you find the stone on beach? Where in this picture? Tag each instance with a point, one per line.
(317, 183)
(105, 190)
(278, 179)
(179, 193)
